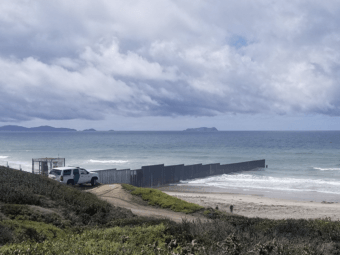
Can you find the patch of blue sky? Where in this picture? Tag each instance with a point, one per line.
(237, 41)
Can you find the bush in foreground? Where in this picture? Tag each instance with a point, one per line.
(117, 240)
(213, 237)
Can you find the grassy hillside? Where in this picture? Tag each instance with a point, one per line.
(41, 216)
(74, 206)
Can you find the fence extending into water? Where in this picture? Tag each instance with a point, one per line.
(158, 175)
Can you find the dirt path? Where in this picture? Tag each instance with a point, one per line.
(116, 195)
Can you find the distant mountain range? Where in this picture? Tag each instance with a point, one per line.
(202, 129)
(89, 130)
(41, 128)
(51, 129)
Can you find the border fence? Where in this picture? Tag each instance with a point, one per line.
(12, 165)
(158, 175)
(38, 166)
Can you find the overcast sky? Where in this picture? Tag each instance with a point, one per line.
(170, 65)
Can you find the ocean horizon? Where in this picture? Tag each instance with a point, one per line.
(302, 165)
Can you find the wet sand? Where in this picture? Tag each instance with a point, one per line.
(255, 205)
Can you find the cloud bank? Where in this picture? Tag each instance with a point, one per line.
(85, 60)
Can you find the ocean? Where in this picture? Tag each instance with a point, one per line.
(301, 165)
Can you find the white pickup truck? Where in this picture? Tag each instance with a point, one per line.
(73, 175)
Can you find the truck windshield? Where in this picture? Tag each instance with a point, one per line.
(55, 172)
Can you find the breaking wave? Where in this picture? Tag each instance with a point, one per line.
(247, 181)
(326, 169)
(108, 161)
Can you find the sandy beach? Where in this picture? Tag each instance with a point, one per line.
(255, 205)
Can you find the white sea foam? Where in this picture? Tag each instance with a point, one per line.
(3, 157)
(255, 182)
(326, 169)
(23, 163)
(108, 161)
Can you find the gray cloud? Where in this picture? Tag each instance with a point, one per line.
(80, 60)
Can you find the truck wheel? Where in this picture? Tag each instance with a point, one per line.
(94, 181)
(70, 182)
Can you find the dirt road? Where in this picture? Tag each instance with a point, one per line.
(117, 196)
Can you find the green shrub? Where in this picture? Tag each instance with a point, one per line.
(213, 213)
(129, 187)
(157, 197)
(24, 212)
(6, 235)
(138, 221)
(127, 240)
(23, 230)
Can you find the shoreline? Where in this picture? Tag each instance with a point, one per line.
(252, 205)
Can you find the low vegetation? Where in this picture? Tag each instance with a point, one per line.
(35, 221)
(159, 198)
(77, 207)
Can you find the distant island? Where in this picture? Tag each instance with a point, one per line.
(41, 128)
(201, 129)
(89, 130)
